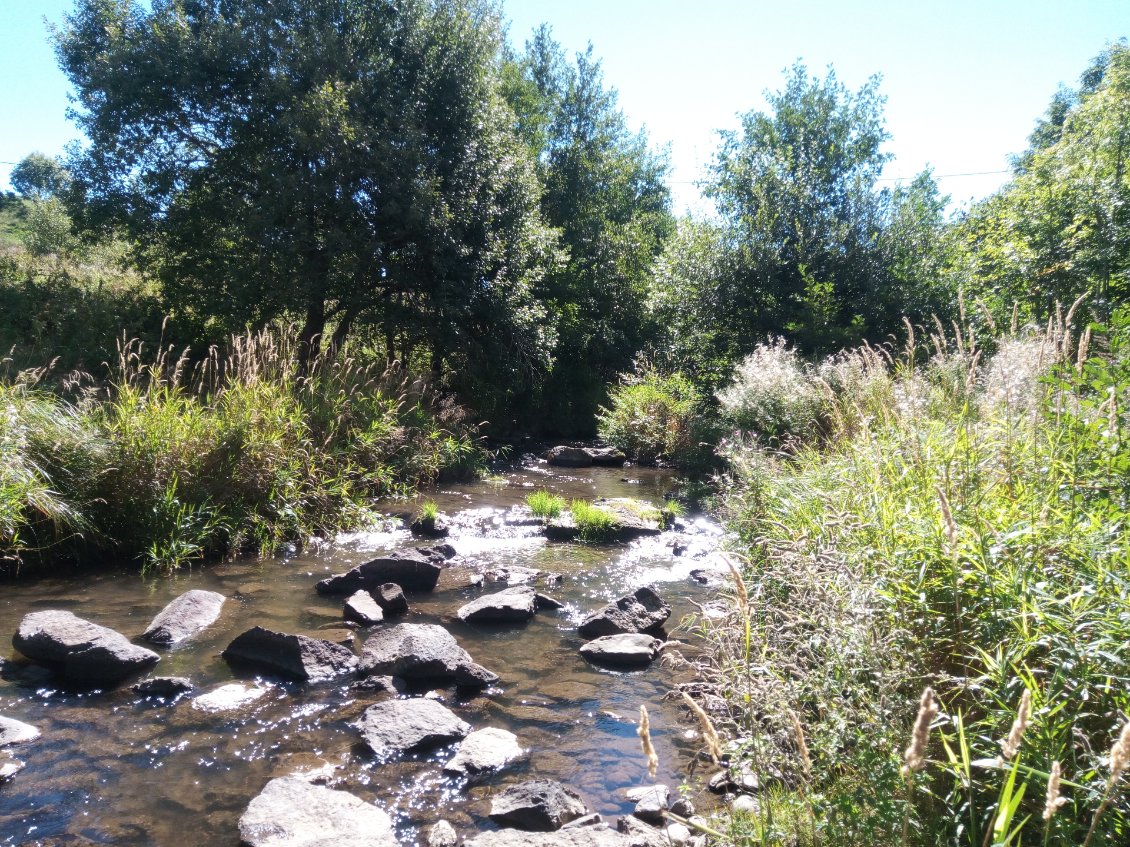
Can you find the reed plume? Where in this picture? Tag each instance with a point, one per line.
(914, 758)
(802, 745)
(1119, 761)
(1053, 800)
(709, 733)
(644, 732)
(1011, 745)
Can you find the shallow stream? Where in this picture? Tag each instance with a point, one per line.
(117, 768)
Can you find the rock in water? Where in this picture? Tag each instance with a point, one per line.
(291, 812)
(598, 835)
(641, 611)
(295, 656)
(362, 608)
(540, 805)
(511, 605)
(412, 571)
(13, 731)
(632, 648)
(640, 834)
(651, 803)
(403, 726)
(228, 698)
(569, 457)
(485, 751)
(390, 597)
(163, 686)
(607, 457)
(421, 651)
(442, 834)
(82, 651)
(184, 617)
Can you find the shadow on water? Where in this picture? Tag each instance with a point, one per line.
(113, 767)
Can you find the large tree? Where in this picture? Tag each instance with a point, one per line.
(344, 162)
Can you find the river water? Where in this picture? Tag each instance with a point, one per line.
(113, 767)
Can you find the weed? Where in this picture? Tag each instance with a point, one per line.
(593, 523)
(545, 505)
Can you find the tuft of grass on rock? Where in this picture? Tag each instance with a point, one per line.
(593, 523)
(545, 505)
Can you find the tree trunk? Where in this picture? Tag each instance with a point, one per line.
(310, 338)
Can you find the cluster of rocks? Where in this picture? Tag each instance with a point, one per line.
(585, 457)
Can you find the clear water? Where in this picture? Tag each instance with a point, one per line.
(116, 768)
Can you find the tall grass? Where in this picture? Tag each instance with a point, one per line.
(179, 459)
(964, 527)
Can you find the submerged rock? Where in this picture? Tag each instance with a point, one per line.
(163, 686)
(13, 731)
(404, 726)
(485, 751)
(540, 805)
(227, 698)
(184, 617)
(597, 835)
(511, 605)
(296, 656)
(626, 648)
(291, 812)
(641, 611)
(82, 651)
(362, 608)
(412, 571)
(421, 651)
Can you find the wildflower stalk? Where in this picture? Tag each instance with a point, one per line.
(1119, 761)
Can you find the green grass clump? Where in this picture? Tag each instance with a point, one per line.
(428, 513)
(545, 505)
(970, 535)
(594, 524)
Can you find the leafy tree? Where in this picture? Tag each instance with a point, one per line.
(347, 163)
(38, 177)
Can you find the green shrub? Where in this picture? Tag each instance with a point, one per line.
(595, 524)
(545, 505)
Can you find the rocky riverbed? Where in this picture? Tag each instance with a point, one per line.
(324, 694)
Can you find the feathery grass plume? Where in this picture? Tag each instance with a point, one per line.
(1011, 745)
(1119, 760)
(987, 315)
(1084, 350)
(739, 583)
(644, 732)
(948, 523)
(709, 733)
(914, 758)
(802, 745)
(1053, 801)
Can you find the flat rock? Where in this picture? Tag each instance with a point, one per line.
(163, 686)
(598, 835)
(82, 651)
(421, 651)
(569, 457)
(485, 751)
(640, 834)
(390, 597)
(361, 607)
(540, 805)
(291, 812)
(640, 611)
(630, 648)
(13, 731)
(511, 605)
(651, 802)
(295, 656)
(396, 727)
(412, 571)
(227, 698)
(184, 617)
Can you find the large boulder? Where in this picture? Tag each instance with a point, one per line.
(625, 648)
(184, 617)
(395, 727)
(361, 607)
(295, 656)
(641, 611)
(82, 651)
(540, 805)
(13, 731)
(484, 751)
(511, 605)
(421, 651)
(412, 571)
(608, 457)
(291, 812)
(569, 457)
(597, 835)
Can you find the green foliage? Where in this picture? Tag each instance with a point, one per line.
(977, 547)
(595, 524)
(545, 505)
(40, 177)
(427, 513)
(653, 417)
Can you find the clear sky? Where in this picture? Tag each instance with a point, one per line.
(965, 80)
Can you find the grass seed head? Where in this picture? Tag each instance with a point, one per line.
(914, 758)
(644, 732)
(1053, 800)
(1011, 745)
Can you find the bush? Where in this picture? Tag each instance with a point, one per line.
(774, 394)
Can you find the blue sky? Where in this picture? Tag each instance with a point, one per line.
(964, 80)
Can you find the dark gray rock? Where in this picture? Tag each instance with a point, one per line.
(540, 805)
(291, 812)
(294, 656)
(412, 571)
(484, 751)
(396, 727)
(607, 457)
(683, 807)
(626, 648)
(435, 528)
(569, 457)
(361, 607)
(641, 611)
(163, 686)
(598, 835)
(390, 597)
(13, 731)
(438, 553)
(184, 617)
(651, 803)
(511, 605)
(586, 820)
(544, 601)
(421, 651)
(82, 651)
(393, 685)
